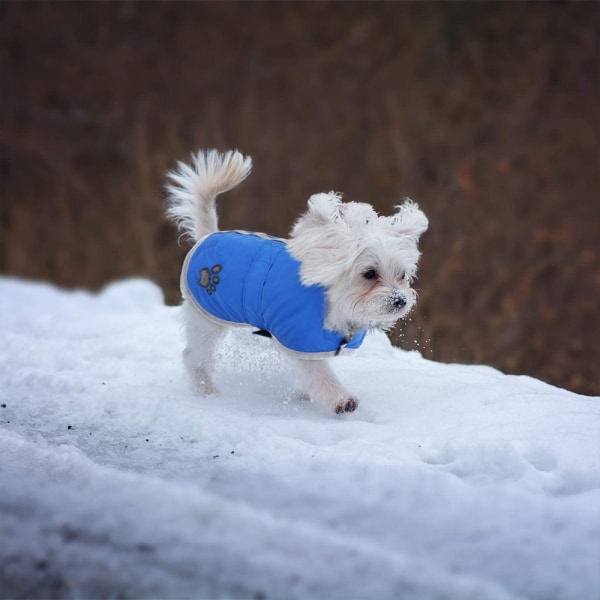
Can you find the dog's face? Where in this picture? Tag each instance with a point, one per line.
(366, 262)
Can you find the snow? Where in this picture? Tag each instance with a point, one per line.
(449, 481)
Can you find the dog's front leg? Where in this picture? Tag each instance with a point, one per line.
(321, 383)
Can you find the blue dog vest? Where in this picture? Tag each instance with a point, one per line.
(243, 278)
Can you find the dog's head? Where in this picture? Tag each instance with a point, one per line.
(366, 262)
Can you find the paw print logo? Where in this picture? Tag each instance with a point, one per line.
(210, 278)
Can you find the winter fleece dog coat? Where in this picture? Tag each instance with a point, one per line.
(244, 278)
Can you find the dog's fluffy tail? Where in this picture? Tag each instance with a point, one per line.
(192, 189)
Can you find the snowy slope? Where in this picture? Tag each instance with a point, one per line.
(449, 481)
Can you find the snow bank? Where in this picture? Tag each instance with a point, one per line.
(449, 482)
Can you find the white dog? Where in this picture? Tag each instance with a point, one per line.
(343, 271)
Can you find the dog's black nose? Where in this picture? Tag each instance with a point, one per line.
(399, 302)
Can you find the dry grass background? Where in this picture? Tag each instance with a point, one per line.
(485, 113)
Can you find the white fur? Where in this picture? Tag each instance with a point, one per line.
(337, 244)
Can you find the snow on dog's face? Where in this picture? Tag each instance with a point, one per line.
(365, 261)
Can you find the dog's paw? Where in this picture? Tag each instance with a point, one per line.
(347, 405)
(204, 389)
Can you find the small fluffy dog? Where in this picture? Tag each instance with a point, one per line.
(343, 271)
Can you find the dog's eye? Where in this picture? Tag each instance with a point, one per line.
(370, 274)
(403, 276)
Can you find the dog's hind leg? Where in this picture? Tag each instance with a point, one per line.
(199, 356)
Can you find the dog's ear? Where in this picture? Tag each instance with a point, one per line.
(409, 220)
(320, 240)
(324, 208)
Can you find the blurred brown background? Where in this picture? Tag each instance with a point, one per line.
(485, 113)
